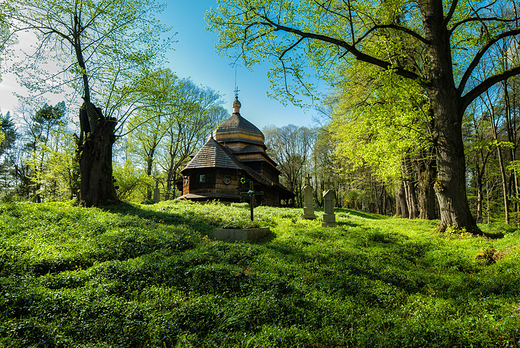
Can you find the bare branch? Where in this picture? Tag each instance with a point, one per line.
(340, 43)
(486, 84)
(480, 54)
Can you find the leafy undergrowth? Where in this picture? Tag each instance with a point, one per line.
(150, 276)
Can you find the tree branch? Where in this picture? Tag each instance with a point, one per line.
(340, 43)
(480, 54)
(487, 83)
(478, 19)
(448, 17)
(392, 26)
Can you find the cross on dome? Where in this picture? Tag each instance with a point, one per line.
(236, 103)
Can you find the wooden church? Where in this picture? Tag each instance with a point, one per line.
(232, 158)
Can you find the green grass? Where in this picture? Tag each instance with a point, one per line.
(150, 276)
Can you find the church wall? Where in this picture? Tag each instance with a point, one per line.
(271, 199)
(264, 169)
(214, 183)
(212, 180)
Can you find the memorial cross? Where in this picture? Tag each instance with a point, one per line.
(308, 180)
(251, 194)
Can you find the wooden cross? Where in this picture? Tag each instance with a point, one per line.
(251, 194)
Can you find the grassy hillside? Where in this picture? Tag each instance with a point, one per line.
(149, 276)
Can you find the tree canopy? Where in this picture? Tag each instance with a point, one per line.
(437, 44)
(99, 46)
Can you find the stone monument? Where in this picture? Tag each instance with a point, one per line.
(308, 201)
(329, 219)
(156, 193)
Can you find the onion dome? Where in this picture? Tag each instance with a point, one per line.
(236, 106)
(237, 129)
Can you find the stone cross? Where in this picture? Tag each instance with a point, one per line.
(329, 219)
(251, 194)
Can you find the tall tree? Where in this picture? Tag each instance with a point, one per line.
(41, 127)
(383, 121)
(479, 145)
(190, 117)
(4, 31)
(149, 125)
(8, 132)
(8, 137)
(291, 147)
(454, 36)
(95, 43)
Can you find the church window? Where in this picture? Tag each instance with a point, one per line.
(202, 178)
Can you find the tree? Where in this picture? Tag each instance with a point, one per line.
(41, 128)
(149, 125)
(453, 38)
(4, 31)
(8, 133)
(8, 137)
(382, 121)
(105, 41)
(291, 146)
(190, 117)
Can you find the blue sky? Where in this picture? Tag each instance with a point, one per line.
(194, 56)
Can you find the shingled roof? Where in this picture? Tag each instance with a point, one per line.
(237, 125)
(213, 155)
(246, 150)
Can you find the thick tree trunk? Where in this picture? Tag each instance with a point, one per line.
(400, 202)
(450, 185)
(426, 172)
(149, 165)
(96, 180)
(381, 201)
(411, 199)
(446, 103)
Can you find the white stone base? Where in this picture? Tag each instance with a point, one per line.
(240, 234)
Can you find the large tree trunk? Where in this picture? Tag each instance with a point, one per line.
(400, 201)
(426, 171)
(411, 199)
(149, 166)
(450, 185)
(96, 180)
(446, 103)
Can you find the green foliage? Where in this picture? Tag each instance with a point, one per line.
(131, 182)
(110, 42)
(148, 276)
(378, 119)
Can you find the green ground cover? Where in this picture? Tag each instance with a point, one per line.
(150, 276)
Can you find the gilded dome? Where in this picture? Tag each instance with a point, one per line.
(238, 129)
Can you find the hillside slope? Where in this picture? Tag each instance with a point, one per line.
(150, 276)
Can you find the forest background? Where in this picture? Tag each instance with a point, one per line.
(374, 143)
